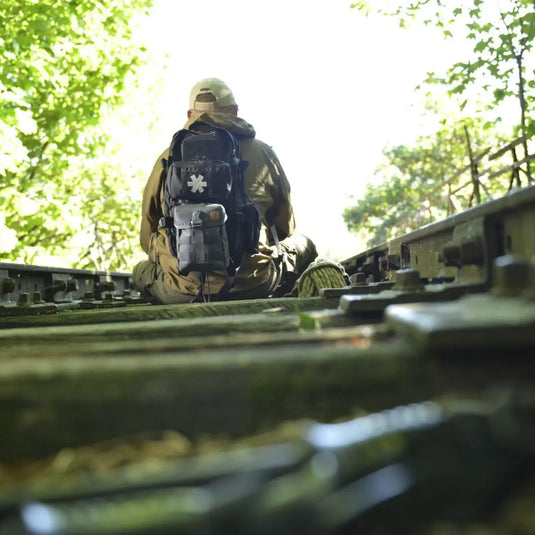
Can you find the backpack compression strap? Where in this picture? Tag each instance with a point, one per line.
(235, 147)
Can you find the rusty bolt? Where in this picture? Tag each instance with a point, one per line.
(510, 275)
(394, 261)
(24, 299)
(369, 265)
(451, 255)
(472, 252)
(358, 279)
(106, 286)
(8, 285)
(36, 298)
(58, 286)
(530, 293)
(72, 285)
(408, 280)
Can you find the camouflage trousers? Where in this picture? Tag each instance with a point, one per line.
(276, 277)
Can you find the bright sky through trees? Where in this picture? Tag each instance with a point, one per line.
(325, 86)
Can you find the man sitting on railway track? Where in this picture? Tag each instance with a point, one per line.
(262, 274)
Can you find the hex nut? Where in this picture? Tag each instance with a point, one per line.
(451, 255)
(510, 275)
(358, 279)
(408, 280)
(472, 252)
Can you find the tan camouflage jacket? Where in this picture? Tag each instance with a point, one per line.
(266, 185)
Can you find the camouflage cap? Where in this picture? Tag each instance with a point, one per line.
(218, 89)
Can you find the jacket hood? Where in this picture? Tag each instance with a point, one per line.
(235, 125)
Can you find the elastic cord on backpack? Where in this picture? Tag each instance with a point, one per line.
(276, 239)
(204, 295)
(280, 255)
(204, 283)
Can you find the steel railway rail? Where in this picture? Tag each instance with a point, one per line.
(402, 403)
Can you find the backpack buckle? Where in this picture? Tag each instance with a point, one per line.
(166, 222)
(196, 220)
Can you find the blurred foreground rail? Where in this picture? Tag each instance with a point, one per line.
(402, 403)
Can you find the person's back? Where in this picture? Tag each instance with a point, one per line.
(276, 266)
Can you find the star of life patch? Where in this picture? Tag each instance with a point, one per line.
(197, 183)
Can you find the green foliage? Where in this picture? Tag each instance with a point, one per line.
(308, 323)
(409, 190)
(502, 35)
(65, 69)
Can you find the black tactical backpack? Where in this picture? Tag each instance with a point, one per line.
(210, 221)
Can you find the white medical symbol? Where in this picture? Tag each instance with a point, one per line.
(197, 183)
